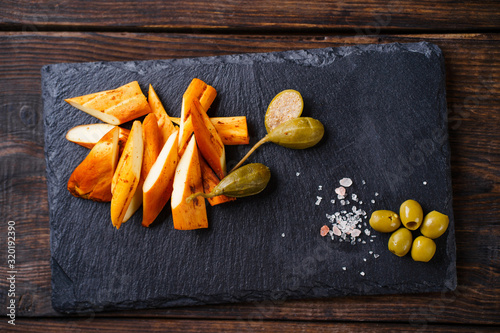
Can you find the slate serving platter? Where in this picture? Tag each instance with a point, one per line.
(384, 112)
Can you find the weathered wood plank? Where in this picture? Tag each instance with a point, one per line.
(363, 17)
(162, 325)
(473, 80)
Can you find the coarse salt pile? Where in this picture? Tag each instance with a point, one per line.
(347, 225)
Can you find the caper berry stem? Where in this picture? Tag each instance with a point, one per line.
(200, 194)
(257, 145)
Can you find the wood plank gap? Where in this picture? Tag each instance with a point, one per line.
(104, 317)
(265, 31)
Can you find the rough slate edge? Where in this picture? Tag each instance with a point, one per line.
(303, 57)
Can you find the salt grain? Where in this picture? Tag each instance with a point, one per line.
(376, 256)
(336, 231)
(376, 194)
(370, 252)
(318, 201)
(367, 232)
(283, 235)
(344, 268)
(424, 182)
(340, 191)
(320, 188)
(297, 174)
(372, 201)
(362, 273)
(364, 259)
(346, 182)
(363, 182)
(356, 233)
(324, 230)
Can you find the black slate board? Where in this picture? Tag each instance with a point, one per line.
(384, 111)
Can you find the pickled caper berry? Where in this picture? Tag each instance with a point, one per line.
(298, 133)
(248, 180)
(286, 105)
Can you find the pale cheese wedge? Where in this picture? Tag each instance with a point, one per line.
(187, 181)
(157, 187)
(232, 130)
(115, 106)
(209, 141)
(205, 94)
(88, 135)
(151, 137)
(164, 123)
(92, 178)
(127, 175)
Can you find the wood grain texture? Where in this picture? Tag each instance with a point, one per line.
(473, 82)
(162, 325)
(363, 17)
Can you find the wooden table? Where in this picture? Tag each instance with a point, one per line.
(35, 33)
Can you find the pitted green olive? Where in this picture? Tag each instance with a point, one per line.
(434, 225)
(384, 221)
(423, 249)
(411, 214)
(400, 242)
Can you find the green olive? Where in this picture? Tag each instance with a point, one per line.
(286, 105)
(248, 180)
(423, 249)
(434, 225)
(411, 214)
(384, 221)
(400, 242)
(298, 133)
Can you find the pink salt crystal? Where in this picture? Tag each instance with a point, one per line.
(355, 233)
(336, 231)
(340, 190)
(345, 182)
(324, 230)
